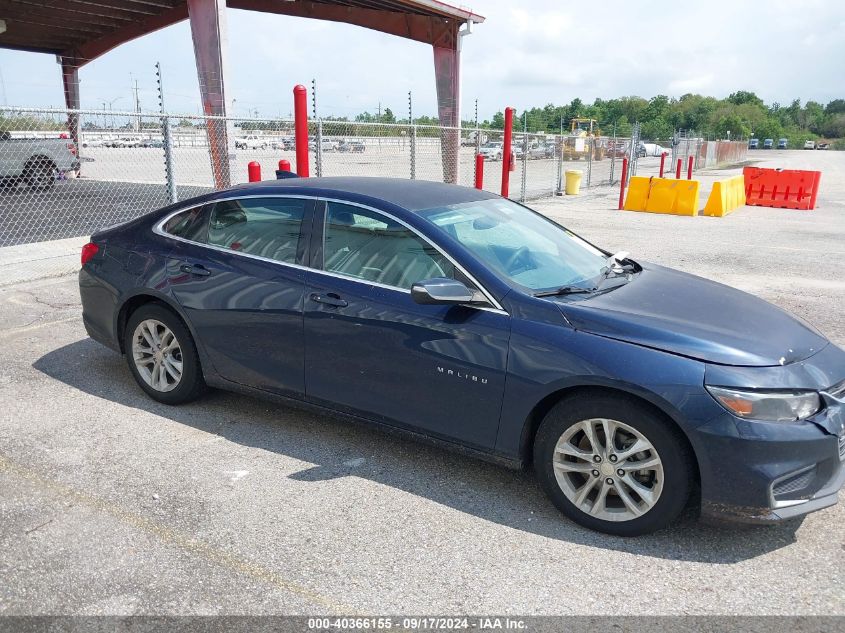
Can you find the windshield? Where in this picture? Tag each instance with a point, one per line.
(520, 245)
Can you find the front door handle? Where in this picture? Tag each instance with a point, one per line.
(195, 269)
(330, 299)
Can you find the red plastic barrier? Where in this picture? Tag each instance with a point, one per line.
(479, 171)
(507, 155)
(284, 165)
(781, 188)
(300, 129)
(623, 182)
(253, 170)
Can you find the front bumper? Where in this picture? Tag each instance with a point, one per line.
(762, 472)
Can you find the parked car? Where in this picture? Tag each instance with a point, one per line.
(470, 319)
(37, 162)
(354, 146)
(96, 142)
(653, 149)
(783, 143)
(252, 141)
(152, 142)
(809, 144)
(768, 143)
(492, 150)
(125, 142)
(754, 143)
(285, 143)
(326, 144)
(822, 145)
(541, 150)
(617, 148)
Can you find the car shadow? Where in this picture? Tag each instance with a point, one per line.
(341, 448)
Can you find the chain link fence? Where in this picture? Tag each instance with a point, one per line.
(120, 165)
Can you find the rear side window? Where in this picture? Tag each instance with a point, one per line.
(368, 245)
(189, 225)
(266, 227)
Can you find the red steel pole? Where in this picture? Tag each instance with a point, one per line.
(689, 168)
(284, 165)
(662, 163)
(479, 171)
(253, 170)
(678, 168)
(300, 128)
(623, 182)
(506, 152)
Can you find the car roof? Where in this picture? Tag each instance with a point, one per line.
(412, 195)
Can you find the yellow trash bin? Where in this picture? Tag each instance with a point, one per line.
(573, 181)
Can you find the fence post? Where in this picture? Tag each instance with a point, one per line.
(591, 142)
(622, 182)
(506, 152)
(300, 127)
(613, 156)
(168, 160)
(662, 163)
(479, 171)
(524, 166)
(413, 152)
(559, 157)
(318, 162)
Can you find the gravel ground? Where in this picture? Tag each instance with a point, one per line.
(113, 504)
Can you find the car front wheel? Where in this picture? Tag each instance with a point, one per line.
(162, 355)
(612, 465)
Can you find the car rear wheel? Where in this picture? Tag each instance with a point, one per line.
(162, 355)
(40, 173)
(612, 465)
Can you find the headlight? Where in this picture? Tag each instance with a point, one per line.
(777, 406)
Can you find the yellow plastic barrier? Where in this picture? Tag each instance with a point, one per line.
(663, 195)
(726, 196)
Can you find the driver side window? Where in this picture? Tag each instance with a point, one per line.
(367, 245)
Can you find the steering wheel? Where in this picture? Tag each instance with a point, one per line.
(518, 254)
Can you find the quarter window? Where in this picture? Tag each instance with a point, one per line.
(368, 245)
(267, 227)
(190, 225)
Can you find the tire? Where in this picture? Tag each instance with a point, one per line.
(190, 383)
(40, 173)
(666, 484)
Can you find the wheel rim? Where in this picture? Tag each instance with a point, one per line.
(157, 355)
(42, 174)
(608, 469)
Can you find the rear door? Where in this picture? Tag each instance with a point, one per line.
(371, 350)
(240, 281)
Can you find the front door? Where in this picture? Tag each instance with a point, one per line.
(241, 287)
(371, 350)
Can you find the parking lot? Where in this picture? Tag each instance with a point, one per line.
(111, 503)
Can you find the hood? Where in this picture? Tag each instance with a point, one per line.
(687, 315)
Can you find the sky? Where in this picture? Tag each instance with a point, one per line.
(525, 54)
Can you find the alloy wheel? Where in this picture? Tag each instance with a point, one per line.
(157, 355)
(608, 469)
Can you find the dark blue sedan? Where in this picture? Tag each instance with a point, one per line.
(467, 318)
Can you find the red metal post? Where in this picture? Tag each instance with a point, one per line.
(689, 168)
(284, 165)
(506, 152)
(678, 168)
(662, 163)
(300, 129)
(479, 171)
(623, 182)
(253, 169)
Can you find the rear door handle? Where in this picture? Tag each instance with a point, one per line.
(195, 269)
(330, 299)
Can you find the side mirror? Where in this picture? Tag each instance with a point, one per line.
(441, 291)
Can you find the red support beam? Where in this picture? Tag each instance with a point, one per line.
(479, 171)
(507, 154)
(300, 129)
(208, 29)
(70, 79)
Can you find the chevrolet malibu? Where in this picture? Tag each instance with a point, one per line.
(634, 390)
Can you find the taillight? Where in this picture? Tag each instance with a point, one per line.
(88, 252)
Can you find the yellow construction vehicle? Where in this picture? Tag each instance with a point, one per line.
(584, 136)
